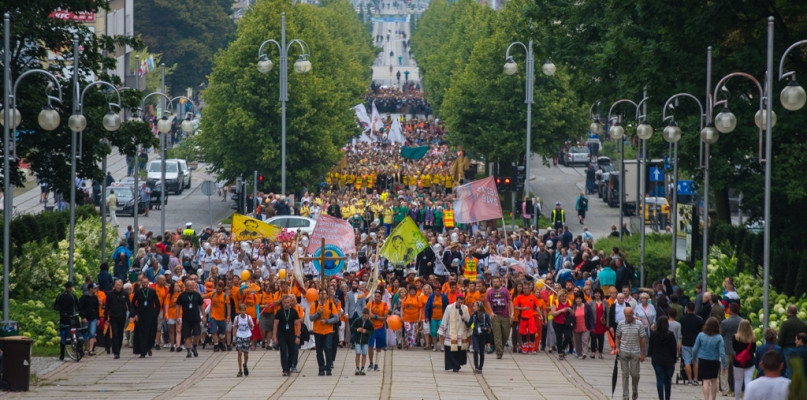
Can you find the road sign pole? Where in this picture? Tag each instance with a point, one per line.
(210, 211)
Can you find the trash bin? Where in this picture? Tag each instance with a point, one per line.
(16, 362)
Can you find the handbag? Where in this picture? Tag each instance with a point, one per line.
(744, 356)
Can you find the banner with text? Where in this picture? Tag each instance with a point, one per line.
(477, 201)
(336, 231)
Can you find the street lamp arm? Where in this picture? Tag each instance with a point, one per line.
(304, 49)
(782, 74)
(622, 101)
(193, 105)
(640, 117)
(762, 98)
(507, 53)
(591, 110)
(32, 72)
(723, 81)
(99, 83)
(143, 102)
(668, 103)
(262, 54)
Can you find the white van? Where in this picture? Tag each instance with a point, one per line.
(174, 179)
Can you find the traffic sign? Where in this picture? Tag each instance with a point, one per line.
(685, 187)
(656, 175)
(208, 188)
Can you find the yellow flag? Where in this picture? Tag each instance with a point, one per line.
(404, 243)
(246, 228)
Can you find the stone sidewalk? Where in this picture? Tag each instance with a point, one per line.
(414, 374)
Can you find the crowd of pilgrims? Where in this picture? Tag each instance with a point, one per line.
(410, 99)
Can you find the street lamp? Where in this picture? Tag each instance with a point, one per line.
(77, 123)
(596, 123)
(11, 118)
(672, 134)
(510, 68)
(301, 66)
(643, 131)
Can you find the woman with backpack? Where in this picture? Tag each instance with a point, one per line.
(744, 343)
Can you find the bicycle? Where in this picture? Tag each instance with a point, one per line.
(75, 337)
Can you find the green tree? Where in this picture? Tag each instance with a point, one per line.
(241, 124)
(48, 152)
(187, 34)
(443, 41)
(484, 108)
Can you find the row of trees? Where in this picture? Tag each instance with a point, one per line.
(460, 48)
(609, 50)
(241, 125)
(38, 41)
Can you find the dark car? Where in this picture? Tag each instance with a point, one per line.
(125, 196)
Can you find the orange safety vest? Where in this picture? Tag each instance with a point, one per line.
(470, 272)
(448, 218)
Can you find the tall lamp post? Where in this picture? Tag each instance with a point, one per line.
(617, 132)
(596, 122)
(672, 134)
(77, 123)
(793, 97)
(510, 68)
(48, 119)
(301, 66)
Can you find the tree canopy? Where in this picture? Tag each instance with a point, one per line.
(241, 125)
(38, 41)
(461, 49)
(186, 34)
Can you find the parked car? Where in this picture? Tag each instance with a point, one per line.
(605, 163)
(657, 207)
(186, 172)
(174, 178)
(293, 223)
(126, 196)
(577, 155)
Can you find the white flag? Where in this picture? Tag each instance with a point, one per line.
(396, 132)
(365, 138)
(377, 123)
(361, 115)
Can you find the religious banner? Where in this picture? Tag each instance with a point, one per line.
(336, 231)
(404, 243)
(477, 201)
(246, 228)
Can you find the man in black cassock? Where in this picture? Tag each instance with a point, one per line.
(147, 310)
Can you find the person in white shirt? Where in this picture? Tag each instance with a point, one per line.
(353, 263)
(223, 257)
(207, 260)
(771, 386)
(238, 264)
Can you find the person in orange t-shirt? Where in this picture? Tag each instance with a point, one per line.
(412, 314)
(172, 316)
(324, 314)
(452, 293)
(219, 315)
(378, 314)
(161, 288)
(472, 295)
(540, 316)
(269, 302)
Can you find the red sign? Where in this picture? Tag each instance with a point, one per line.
(477, 201)
(81, 16)
(336, 231)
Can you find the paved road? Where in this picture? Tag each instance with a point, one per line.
(381, 66)
(564, 184)
(190, 206)
(414, 374)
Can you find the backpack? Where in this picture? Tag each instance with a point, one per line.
(583, 203)
(744, 356)
(305, 335)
